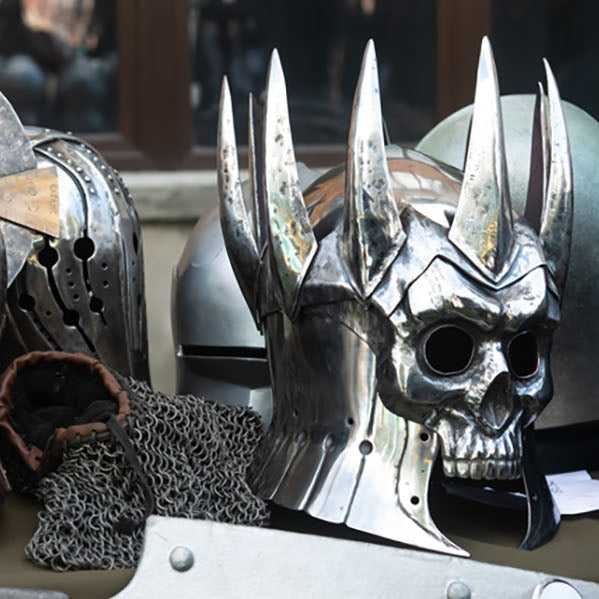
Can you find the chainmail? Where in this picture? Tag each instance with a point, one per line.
(195, 455)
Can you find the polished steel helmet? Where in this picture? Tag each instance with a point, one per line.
(83, 290)
(407, 310)
(219, 350)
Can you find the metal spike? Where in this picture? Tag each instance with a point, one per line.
(539, 163)
(482, 226)
(259, 221)
(237, 231)
(372, 229)
(291, 237)
(556, 220)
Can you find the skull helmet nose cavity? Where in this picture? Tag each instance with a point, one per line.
(498, 402)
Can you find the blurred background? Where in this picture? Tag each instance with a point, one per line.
(140, 79)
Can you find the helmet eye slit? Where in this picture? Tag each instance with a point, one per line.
(523, 354)
(448, 350)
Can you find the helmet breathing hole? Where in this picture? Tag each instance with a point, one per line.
(135, 242)
(96, 304)
(48, 257)
(105, 284)
(26, 302)
(523, 354)
(70, 318)
(414, 500)
(104, 266)
(448, 350)
(84, 248)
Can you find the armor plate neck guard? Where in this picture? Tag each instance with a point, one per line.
(407, 312)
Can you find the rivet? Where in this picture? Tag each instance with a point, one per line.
(181, 558)
(366, 447)
(556, 588)
(92, 190)
(49, 150)
(78, 169)
(457, 589)
(86, 179)
(59, 154)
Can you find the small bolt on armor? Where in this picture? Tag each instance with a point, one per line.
(83, 290)
(408, 312)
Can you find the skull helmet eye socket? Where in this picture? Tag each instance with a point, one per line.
(448, 350)
(523, 354)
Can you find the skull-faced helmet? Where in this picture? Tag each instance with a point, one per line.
(406, 309)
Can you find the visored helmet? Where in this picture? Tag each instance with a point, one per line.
(407, 311)
(83, 290)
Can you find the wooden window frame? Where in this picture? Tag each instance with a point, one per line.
(155, 114)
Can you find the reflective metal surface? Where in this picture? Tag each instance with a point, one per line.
(234, 220)
(576, 341)
(448, 334)
(82, 291)
(219, 351)
(372, 230)
(482, 226)
(291, 239)
(242, 561)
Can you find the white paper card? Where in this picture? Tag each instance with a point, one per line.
(574, 492)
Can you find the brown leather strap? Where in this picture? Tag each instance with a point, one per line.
(31, 454)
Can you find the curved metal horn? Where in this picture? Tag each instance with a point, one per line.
(539, 163)
(372, 229)
(291, 237)
(482, 226)
(556, 219)
(236, 227)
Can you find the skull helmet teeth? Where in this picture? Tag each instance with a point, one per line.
(398, 297)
